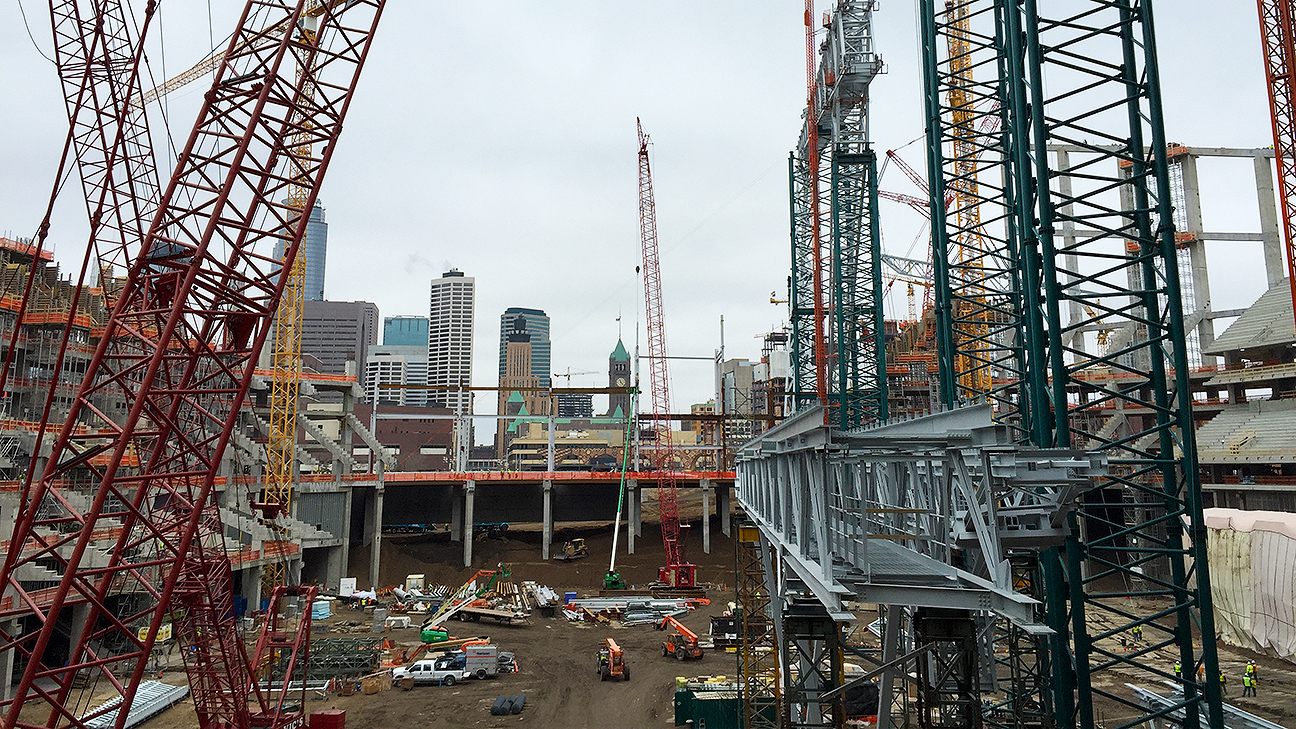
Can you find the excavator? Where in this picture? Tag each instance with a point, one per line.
(611, 662)
(683, 643)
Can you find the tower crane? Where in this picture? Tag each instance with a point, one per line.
(676, 572)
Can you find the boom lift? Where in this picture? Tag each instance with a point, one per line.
(683, 644)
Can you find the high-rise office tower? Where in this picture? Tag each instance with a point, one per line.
(336, 331)
(396, 364)
(315, 247)
(401, 359)
(450, 332)
(517, 394)
(537, 325)
(406, 331)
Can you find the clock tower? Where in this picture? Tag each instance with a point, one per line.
(619, 376)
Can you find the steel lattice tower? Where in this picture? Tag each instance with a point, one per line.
(837, 279)
(1085, 155)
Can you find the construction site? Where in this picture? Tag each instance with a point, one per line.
(1049, 485)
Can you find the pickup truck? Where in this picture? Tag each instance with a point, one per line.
(478, 661)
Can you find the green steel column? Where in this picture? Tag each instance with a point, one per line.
(945, 349)
(879, 316)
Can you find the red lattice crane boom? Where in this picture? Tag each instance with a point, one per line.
(676, 572)
(1278, 34)
(178, 352)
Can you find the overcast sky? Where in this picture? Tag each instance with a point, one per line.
(499, 138)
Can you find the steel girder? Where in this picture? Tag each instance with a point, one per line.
(834, 188)
(890, 514)
(1101, 104)
(180, 349)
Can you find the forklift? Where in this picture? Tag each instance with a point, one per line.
(683, 643)
(611, 662)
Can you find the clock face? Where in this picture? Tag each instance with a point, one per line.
(620, 382)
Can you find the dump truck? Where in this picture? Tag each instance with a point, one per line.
(611, 662)
(573, 550)
(683, 643)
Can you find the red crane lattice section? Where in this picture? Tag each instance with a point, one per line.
(179, 352)
(1278, 33)
(677, 572)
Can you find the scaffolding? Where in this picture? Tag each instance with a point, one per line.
(758, 657)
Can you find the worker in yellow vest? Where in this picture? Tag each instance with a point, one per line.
(1178, 669)
(1248, 685)
(1223, 685)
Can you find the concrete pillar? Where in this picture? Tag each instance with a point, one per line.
(252, 587)
(470, 489)
(80, 616)
(722, 507)
(706, 516)
(456, 514)
(375, 550)
(1275, 267)
(632, 513)
(346, 531)
(7, 663)
(335, 569)
(636, 506)
(546, 534)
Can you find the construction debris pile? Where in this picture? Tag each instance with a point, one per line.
(627, 610)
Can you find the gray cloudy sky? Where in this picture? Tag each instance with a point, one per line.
(499, 138)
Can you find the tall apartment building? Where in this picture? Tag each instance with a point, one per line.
(406, 331)
(336, 331)
(576, 405)
(315, 247)
(450, 332)
(537, 325)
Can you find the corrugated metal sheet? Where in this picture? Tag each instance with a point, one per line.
(1267, 323)
(152, 698)
(327, 511)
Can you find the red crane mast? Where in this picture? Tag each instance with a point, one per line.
(179, 350)
(676, 572)
(1278, 34)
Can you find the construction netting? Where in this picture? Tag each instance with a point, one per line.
(1252, 558)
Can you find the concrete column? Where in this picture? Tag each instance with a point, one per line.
(335, 569)
(722, 507)
(375, 550)
(456, 514)
(252, 587)
(1275, 267)
(346, 531)
(636, 506)
(7, 664)
(546, 534)
(80, 616)
(706, 516)
(470, 489)
(632, 513)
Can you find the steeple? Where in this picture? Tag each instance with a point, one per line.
(619, 354)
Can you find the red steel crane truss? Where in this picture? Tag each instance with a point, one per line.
(179, 350)
(677, 572)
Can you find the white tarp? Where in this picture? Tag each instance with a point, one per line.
(1252, 558)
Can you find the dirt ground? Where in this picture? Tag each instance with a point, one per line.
(557, 657)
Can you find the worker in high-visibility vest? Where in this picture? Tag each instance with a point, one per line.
(1178, 669)
(1223, 685)
(1251, 669)
(1248, 685)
